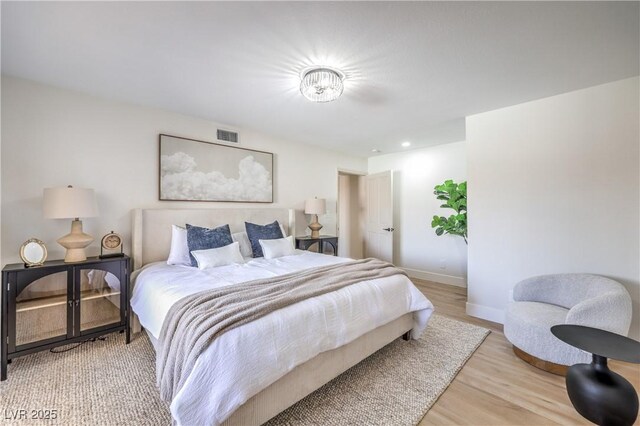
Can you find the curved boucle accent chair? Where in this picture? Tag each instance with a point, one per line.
(543, 301)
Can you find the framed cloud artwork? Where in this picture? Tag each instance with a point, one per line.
(192, 170)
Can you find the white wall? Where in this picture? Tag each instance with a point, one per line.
(55, 137)
(417, 248)
(554, 187)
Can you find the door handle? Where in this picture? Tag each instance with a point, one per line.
(389, 229)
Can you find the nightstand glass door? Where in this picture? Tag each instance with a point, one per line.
(100, 297)
(41, 309)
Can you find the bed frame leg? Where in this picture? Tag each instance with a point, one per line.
(406, 336)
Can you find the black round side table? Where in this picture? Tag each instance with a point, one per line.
(597, 393)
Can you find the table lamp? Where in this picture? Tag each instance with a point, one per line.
(71, 203)
(315, 206)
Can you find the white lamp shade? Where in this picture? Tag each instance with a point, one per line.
(68, 203)
(315, 206)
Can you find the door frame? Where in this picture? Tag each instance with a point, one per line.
(342, 171)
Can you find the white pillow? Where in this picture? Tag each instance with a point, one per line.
(284, 234)
(277, 248)
(245, 244)
(220, 256)
(179, 252)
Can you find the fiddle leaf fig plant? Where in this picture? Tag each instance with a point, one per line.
(454, 196)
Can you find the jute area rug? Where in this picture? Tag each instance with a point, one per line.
(110, 383)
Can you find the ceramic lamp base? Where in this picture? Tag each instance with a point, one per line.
(75, 242)
(315, 227)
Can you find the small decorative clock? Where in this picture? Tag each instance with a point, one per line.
(109, 243)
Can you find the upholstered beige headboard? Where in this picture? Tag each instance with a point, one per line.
(151, 230)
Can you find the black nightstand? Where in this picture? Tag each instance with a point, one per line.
(60, 303)
(303, 243)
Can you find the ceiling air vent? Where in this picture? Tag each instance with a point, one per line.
(227, 136)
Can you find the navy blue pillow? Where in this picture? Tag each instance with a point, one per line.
(199, 238)
(262, 232)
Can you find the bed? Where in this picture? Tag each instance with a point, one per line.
(269, 370)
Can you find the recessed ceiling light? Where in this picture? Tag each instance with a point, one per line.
(406, 144)
(375, 150)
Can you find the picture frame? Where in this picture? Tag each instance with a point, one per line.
(33, 252)
(194, 170)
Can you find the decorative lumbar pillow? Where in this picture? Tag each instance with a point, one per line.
(221, 256)
(245, 244)
(179, 252)
(199, 238)
(272, 249)
(262, 232)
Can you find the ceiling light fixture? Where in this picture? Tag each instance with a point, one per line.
(321, 84)
(406, 144)
(375, 150)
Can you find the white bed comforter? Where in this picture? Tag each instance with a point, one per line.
(247, 359)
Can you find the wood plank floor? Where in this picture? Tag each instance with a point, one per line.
(497, 388)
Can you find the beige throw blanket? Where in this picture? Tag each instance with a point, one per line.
(193, 322)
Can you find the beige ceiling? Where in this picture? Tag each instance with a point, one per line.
(414, 70)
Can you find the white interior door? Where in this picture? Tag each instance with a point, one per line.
(379, 224)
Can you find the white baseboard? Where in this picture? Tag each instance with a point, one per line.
(485, 312)
(438, 278)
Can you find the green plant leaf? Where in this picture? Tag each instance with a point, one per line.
(455, 197)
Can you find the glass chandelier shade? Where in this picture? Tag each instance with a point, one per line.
(321, 85)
